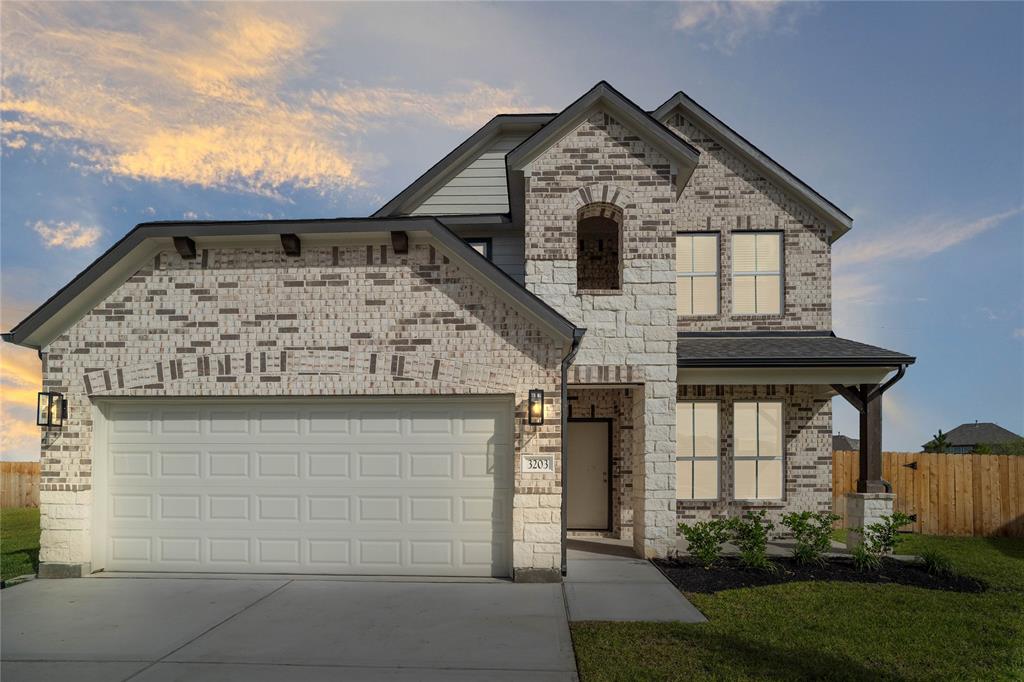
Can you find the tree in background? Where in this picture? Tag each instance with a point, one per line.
(1014, 447)
(937, 443)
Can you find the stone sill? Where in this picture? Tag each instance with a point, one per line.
(599, 292)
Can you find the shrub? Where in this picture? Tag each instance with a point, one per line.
(865, 561)
(750, 534)
(878, 540)
(937, 563)
(813, 534)
(881, 538)
(705, 539)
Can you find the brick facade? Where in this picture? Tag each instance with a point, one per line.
(254, 322)
(603, 162)
(726, 194)
(807, 457)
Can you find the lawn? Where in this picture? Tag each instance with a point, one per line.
(831, 630)
(19, 542)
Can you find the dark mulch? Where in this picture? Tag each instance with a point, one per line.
(728, 574)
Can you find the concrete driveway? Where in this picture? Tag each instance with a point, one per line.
(271, 629)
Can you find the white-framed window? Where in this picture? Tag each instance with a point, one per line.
(481, 245)
(757, 273)
(757, 450)
(697, 450)
(696, 274)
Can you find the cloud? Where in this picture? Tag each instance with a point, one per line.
(20, 380)
(1018, 333)
(917, 240)
(726, 24)
(67, 235)
(215, 96)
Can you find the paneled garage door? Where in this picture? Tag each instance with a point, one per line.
(411, 487)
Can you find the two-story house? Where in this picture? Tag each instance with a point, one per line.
(604, 320)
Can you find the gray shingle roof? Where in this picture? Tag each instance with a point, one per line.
(845, 443)
(980, 432)
(781, 349)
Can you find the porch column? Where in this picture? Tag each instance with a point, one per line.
(870, 475)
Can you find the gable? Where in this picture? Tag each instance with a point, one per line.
(137, 248)
(762, 165)
(479, 186)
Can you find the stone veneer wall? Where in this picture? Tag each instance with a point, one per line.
(807, 460)
(347, 319)
(601, 161)
(615, 404)
(726, 194)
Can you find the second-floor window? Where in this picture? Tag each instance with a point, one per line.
(481, 245)
(696, 274)
(757, 273)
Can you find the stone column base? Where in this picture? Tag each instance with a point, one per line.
(864, 509)
(537, 575)
(52, 569)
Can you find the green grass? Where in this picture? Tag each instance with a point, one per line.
(840, 631)
(19, 542)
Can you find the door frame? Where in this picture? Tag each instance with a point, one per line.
(609, 421)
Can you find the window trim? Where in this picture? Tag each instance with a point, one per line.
(717, 274)
(758, 457)
(488, 244)
(781, 274)
(693, 459)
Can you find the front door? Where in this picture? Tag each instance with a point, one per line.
(589, 458)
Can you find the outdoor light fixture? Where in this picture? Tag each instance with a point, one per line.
(51, 409)
(536, 407)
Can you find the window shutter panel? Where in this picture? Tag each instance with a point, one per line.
(745, 428)
(684, 480)
(684, 296)
(684, 253)
(706, 431)
(705, 479)
(684, 429)
(768, 251)
(705, 295)
(705, 253)
(743, 301)
(769, 298)
(743, 253)
(769, 479)
(745, 487)
(769, 419)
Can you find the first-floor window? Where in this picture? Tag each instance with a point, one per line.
(757, 450)
(697, 451)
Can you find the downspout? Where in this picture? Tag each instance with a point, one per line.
(577, 336)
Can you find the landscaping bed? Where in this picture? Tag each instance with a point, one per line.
(728, 574)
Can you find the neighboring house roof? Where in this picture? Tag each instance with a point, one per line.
(627, 113)
(125, 257)
(780, 349)
(845, 443)
(977, 433)
(437, 175)
(833, 216)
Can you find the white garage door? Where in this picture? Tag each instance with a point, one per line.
(411, 487)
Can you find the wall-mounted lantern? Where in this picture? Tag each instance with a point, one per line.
(51, 410)
(536, 407)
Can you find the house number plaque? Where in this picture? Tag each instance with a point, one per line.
(538, 464)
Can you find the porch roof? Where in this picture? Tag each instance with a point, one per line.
(781, 349)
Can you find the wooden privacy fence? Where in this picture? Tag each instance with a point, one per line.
(948, 494)
(19, 484)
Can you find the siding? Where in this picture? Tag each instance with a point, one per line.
(480, 187)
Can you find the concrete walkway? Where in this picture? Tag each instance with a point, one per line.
(606, 582)
(276, 628)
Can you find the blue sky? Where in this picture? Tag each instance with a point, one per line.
(910, 116)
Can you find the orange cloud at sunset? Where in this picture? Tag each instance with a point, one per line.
(214, 96)
(20, 380)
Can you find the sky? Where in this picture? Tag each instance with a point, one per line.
(909, 116)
